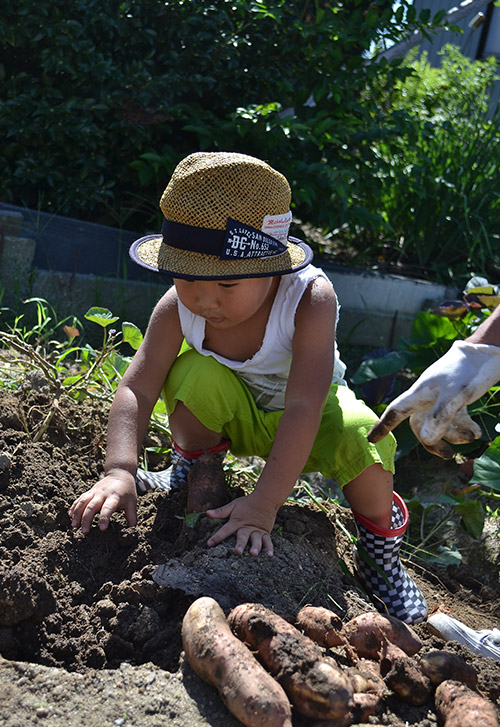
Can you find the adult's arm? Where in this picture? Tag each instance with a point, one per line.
(437, 402)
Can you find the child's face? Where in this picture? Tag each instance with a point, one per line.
(225, 303)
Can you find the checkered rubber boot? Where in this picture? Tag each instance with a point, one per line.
(181, 462)
(399, 593)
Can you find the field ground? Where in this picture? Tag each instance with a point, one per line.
(88, 637)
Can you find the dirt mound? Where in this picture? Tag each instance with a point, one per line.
(91, 625)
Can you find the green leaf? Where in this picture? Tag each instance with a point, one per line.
(102, 316)
(487, 467)
(371, 17)
(66, 353)
(438, 17)
(374, 368)
(447, 499)
(428, 329)
(446, 556)
(71, 379)
(424, 16)
(417, 508)
(119, 363)
(132, 335)
(191, 519)
(151, 157)
(472, 516)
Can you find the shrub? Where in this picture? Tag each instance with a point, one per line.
(439, 196)
(100, 100)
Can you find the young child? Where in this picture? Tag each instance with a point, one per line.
(261, 375)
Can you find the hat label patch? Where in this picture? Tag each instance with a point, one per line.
(277, 226)
(242, 242)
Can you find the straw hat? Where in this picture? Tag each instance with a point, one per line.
(227, 215)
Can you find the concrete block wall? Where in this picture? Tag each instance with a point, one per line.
(16, 258)
(376, 309)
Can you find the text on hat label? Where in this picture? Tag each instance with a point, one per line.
(243, 241)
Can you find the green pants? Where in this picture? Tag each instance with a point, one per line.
(223, 403)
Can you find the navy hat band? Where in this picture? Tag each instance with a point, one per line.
(237, 241)
(196, 239)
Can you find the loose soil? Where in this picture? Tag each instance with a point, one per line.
(88, 636)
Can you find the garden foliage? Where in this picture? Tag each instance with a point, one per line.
(100, 99)
(438, 193)
(378, 381)
(383, 375)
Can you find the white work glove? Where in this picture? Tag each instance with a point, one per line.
(437, 401)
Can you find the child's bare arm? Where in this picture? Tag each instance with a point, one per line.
(128, 420)
(252, 517)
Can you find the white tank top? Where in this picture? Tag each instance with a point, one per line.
(266, 373)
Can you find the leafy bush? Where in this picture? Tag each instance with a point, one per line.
(100, 100)
(439, 196)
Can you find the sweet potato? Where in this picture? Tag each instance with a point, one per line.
(365, 704)
(315, 685)
(367, 633)
(365, 677)
(439, 666)
(459, 706)
(321, 625)
(368, 687)
(402, 675)
(220, 659)
(206, 484)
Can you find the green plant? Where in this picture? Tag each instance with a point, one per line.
(381, 378)
(487, 470)
(68, 370)
(43, 325)
(124, 91)
(432, 519)
(435, 185)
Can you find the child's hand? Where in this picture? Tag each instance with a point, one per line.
(114, 492)
(251, 518)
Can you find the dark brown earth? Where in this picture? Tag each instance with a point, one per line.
(88, 637)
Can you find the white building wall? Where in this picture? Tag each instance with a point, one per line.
(480, 36)
(477, 39)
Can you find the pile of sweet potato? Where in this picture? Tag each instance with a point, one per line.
(266, 668)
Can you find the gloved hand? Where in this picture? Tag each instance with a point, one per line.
(437, 401)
